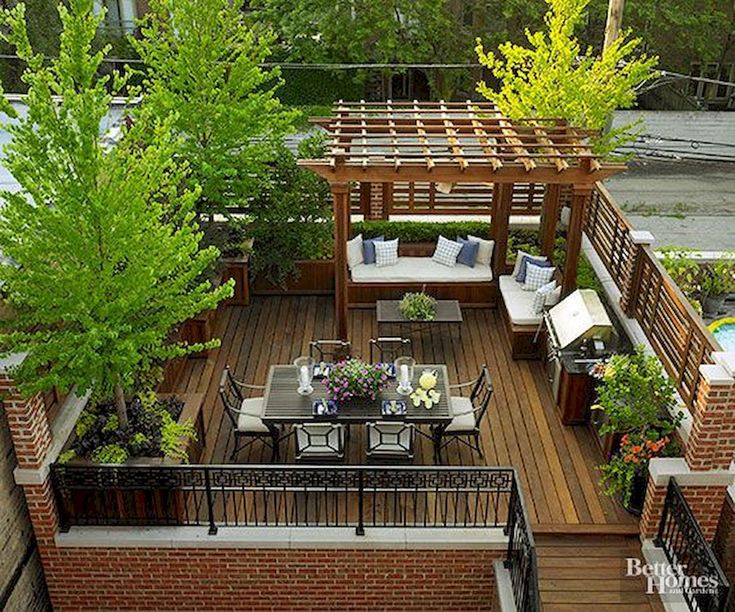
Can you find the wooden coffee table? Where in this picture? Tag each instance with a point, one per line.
(448, 312)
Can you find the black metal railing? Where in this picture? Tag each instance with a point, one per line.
(284, 496)
(521, 560)
(702, 582)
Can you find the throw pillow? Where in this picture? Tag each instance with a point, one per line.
(521, 277)
(484, 251)
(519, 259)
(468, 255)
(354, 252)
(536, 277)
(541, 296)
(386, 253)
(368, 249)
(446, 252)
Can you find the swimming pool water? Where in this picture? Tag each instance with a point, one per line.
(725, 335)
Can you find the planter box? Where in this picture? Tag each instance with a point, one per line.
(155, 502)
(199, 329)
(316, 277)
(239, 270)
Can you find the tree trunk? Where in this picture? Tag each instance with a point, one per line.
(121, 407)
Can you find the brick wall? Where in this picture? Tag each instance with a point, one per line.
(711, 443)
(274, 579)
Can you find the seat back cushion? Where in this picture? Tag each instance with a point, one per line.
(484, 250)
(537, 276)
(386, 253)
(368, 249)
(468, 254)
(446, 252)
(523, 270)
(354, 252)
(519, 261)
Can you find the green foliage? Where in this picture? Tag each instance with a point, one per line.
(202, 69)
(103, 239)
(418, 307)
(175, 437)
(318, 86)
(110, 453)
(699, 280)
(637, 395)
(554, 77)
(85, 421)
(290, 218)
(66, 456)
(420, 231)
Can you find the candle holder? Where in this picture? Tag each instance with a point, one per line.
(304, 375)
(404, 374)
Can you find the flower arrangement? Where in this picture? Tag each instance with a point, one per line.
(636, 450)
(355, 378)
(418, 306)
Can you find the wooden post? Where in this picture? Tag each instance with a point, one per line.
(341, 205)
(580, 197)
(365, 199)
(614, 21)
(502, 198)
(629, 292)
(549, 219)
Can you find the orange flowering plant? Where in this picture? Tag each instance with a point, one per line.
(636, 450)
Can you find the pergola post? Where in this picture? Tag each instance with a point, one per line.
(580, 197)
(549, 219)
(341, 207)
(499, 224)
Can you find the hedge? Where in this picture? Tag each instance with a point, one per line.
(318, 87)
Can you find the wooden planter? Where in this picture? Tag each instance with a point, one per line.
(199, 329)
(114, 502)
(315, 277)
(237, 268)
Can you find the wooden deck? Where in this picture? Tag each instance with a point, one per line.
(556, 464)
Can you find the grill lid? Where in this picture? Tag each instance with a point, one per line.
(580, 316)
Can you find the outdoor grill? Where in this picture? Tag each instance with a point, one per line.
(579, 332)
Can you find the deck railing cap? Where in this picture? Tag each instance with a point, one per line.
(642, 237)
(726, 359)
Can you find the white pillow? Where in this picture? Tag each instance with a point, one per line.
(354, 252)
(484, 251)
(519, 259)
(542, 295)
(537, 277)
(554, 297)
(386, 253)
(446, 252)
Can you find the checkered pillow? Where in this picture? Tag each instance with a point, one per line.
(540, 298)
(446, 252)
(537, 277)
(386, 253)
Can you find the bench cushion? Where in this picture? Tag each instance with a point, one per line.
(518, 303)
(421, 270)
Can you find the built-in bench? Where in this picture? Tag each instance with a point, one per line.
(415, 270)
(520, 319)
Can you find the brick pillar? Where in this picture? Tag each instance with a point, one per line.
(28, 423)
(705, 472)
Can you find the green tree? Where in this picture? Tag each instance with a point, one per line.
(554, 77)
(102, 250)
(202, 68)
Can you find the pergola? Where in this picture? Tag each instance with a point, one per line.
(458, 142)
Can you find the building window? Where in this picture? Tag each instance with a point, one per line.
(121, 15)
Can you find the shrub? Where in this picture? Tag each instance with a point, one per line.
(418, 307)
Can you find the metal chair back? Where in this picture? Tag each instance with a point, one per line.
(394, 439)
(231, 395)
(386, 350)
(481, 394)
(330, 351)
(320, 439)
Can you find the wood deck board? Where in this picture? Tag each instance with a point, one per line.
(556, 464)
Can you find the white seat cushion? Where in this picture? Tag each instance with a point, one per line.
(249, 420)
(464, 417)
(420, 270)
(389, 438)
(518, 303)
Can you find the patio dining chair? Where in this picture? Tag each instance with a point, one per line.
(329, 351)
(245, 415)
(387, 349)
(390, 441)
(467, 413)
(320, 441)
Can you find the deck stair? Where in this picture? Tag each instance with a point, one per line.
(587, 572)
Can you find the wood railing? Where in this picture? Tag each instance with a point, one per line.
(649, 295)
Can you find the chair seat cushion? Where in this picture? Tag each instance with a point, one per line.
(464, 417)
(247, 423)
(420, 270)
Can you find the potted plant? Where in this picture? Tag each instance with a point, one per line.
(353, 378)
(718, 280)
(626, 474)
(418, 306)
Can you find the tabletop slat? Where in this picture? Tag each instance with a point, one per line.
(284, 405)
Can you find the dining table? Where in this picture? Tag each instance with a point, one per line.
(283, 404)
